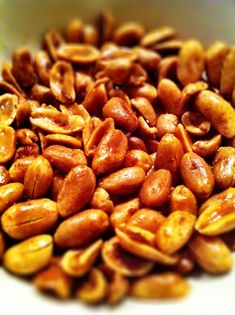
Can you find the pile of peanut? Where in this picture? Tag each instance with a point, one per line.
(117, 162)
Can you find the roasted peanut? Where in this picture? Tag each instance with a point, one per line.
(227, 79)
(224, 167)
(128, 34)
(191, 62)
(146, 219)
(206, 148)
(90, 35)
(175, 231)
(4, 175)
(117, 289)
(26, 136)
(38, 178)
(74, 31)
(124, 181)
(148, 58)
(135, 143)
(166, 123)
(218, 111)
(156, 188)
(195, 123)
(7, 143)
(64, 159)
(122, 262)
(43, 65)
(145, 90)
(52, 41)
(29, 218)
(197, 175)
(161, 286)
(78, 53)
(211, 253)
(138, 158)
(18, 169)
(145, 108)
(183, 136)
(101, 200)
(8, 105)
(81, 228)
(64, 140)
(30, 256)
(9, 194)
(110, 152)
(72, 200)
(183, 199)
(95, 98)
(158, 35)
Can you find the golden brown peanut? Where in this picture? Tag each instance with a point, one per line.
(135, 143)
(74, 31)
(138, 158)
(42, 94)
(227, 80)
(43, 65)
(38, 178)
(2, 245)
(62, 82)
(90, 35)
(110, 152)
(191, 62)
(53, 121)
(185, 264)
(183, 199)
(197, 175)
(166, 123)
(146, 219)
(168, 47)
(56, 186)
(7, 143)
(167, 68)
(148, 58)
(124, 181)
(64, 140)
(94, 289)
(8, 105)
(128, 34)
(76, 263)
(53, 280)
(122, 262)
(161, 286)
(170, 96)
(195, 123)
(64, 159)
(8, 76)
(81, 228)
(145, 108)
(122, 212)
(215, 56)
(192, 89)
(122, 114)
(145, 90)
(29, 218)
(138, 233)
(206, 148)
(211, 254)
(175, 231)
(4, 175)
(224, 167)
(83, 54)
(77, 190)
(27, 150)
(146, 130)
(23, 111)
(18, 169)
(22, 67)
(169, 154)
(52, 41)
(9, 194)
(95, 98)
(83, 83)
(218, 111)
(26, 136)
(117, 289)
(29, 256)
(101, 200)
(156, 188)
(135, 245)
(107, 23)
(157, 35)
(183, 136)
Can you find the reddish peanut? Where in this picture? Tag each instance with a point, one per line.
(81, 228)
(110, 152)
(124, 181)
(197, 175)
(64, 159)
(166, 123)
(146, 219)
(18, 169)
(38, 178)
(4, 175)
(206, 148)
(138, 158)
(156, 189)
(77, 190)
(183, 199)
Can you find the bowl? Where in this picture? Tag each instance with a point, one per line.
(22, 22)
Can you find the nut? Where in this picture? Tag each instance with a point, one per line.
(166, 123)
(74, 31)
(101, 200)
(160, 286)
(156, 189)
(82, 54)
(38, 178)
(227, 76)
(8, 105)
(138, 158)
(122, 262)
(128, 34)
(195, 123)
(224, 167)
(183, 199)
(52, 41)
(76, 263)
(64, 140)
(124, 181)
(206, 148)
(64, 159)
(94, 289)
(72, 200)
(95, 98)
(175, 231)
(9, 194)
(191, 62)
(30, 256)
(184, 138)
(135, 143)
(26, 136)
(7, 143)
(110, 152)
(90, 35)
(81, 228)
(158, 35)
(43, 65)
(197, 175)
(4, 176)
(18, 169)
(219, 112)
(29, 218)
(145, 108)
(211, 254)
(117, 289)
